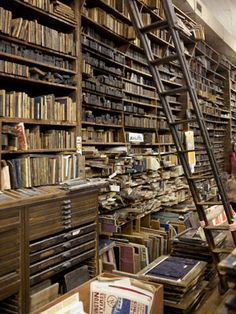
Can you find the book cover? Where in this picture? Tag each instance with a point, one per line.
(21, 136)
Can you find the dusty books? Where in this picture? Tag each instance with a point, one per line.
(15, 104)
(71, 305)
(120, 296)
(182, 279)
(228, 267)
(35, 170)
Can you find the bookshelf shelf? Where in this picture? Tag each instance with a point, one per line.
(141, 115)
(102, 125)
(139, 103)
(36, 82)
(140, 95)
(140, 84)
(137, 71)
(101, 94)
(109, 9)
(48, 150)
(36, 121)
(38, 47)
(101, 56)
(41, 14)
(24, 60)
(100, 108)
(112, 35)
(139, 128)
(104, 144)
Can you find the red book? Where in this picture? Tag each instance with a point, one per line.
(21, 136)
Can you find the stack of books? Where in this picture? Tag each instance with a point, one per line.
(182, 279)
(191, 243)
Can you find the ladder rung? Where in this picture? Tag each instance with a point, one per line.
(222, 227)
(164, 60)
(174, 91)
(191, 150)
(205, 203)
(155, 25)
(222, 250)
(199, 177)
(184, 121)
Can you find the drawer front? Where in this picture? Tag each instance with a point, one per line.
(45, 264)
(45, 219)
(9, 217)
(62, 247)
(9, 255)
(61, 214)
(52, 241)
(61, 267)
(77, 207)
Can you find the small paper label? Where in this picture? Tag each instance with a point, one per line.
(76, 232)
(79, 145)
(114, 188)
(135, 137)
(113, 175)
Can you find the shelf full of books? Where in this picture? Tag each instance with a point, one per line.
(39, 92)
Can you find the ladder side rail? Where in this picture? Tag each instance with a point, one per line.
(137, 23)
(169, 11)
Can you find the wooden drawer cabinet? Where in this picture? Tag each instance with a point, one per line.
(54, 257)
(60, 214)
(45, 218)
(44, 239)
(10, 235)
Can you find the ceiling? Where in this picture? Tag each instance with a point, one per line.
(225, 12)
(218, 18)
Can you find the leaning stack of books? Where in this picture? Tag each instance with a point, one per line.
(182, 279)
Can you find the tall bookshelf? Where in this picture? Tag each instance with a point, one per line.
(140, 134)
(139, 161)
(39, 92)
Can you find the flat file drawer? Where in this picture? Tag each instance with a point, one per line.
(62, 247)
(61, 267)
(61, 238)
(45, 219)
(56, 259)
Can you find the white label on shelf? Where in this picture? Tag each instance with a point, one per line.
(135, 137)
(112, 175)
(114, 188)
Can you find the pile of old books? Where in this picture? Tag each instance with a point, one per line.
(182, 279)
(227, 267)
(191, 243)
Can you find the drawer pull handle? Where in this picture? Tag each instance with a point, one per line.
(66, 206)
(66, 255)
(66, 245)
(67, 222)
(67, 217)
(67, 236)
(66, 265)
(66, 212)
(67, 227)
(65, 202)
(75, 232)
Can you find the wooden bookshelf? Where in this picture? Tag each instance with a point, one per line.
(39, 80)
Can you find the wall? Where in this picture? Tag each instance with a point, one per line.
(218, 17)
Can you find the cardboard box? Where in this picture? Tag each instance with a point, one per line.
(84, 295)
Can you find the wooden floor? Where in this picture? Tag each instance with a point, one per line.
(214, 304)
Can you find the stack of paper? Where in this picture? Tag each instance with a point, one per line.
(120, 296)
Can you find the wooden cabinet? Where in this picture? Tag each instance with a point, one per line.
(10, 235)
(44, 239)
